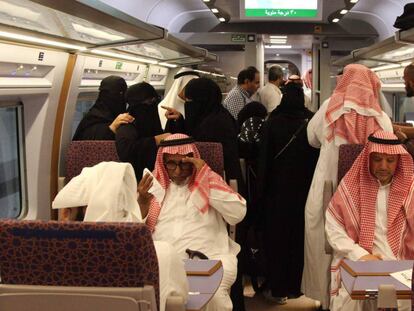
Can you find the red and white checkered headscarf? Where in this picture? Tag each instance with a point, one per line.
(307, 78)
(199, 184)
(354, 203)
(354, 105)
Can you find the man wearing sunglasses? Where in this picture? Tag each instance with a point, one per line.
(186, 204)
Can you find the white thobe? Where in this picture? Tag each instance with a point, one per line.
(316, 272)
(270, 96)
(345, 247)
(172, 276)
(181, 224)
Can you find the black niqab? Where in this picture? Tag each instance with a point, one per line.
(293, 101)
(109, 104)
(142, 102)
(203, 99)
(135, 141)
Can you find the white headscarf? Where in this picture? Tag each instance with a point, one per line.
(172, 99)
(108, 189)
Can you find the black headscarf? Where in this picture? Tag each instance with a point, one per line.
(204, 98)
(293, 101)
(252, 109)
(110, 103)
(142, 102)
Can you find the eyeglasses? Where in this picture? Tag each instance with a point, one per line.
(184, 166)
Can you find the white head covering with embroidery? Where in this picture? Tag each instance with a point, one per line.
(172, 99)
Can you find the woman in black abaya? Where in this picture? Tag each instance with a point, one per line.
(137, 142)
(285, 175)
(108, 113)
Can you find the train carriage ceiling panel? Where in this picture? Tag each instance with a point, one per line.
(93, 26)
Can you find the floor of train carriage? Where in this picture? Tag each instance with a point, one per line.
(256, 301)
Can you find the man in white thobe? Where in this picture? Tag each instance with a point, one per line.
(270, 95)
(189, 207)
(348, 116)
(369, 215)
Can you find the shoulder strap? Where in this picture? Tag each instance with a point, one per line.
(292, 138)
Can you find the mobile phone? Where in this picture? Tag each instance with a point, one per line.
(156, 189)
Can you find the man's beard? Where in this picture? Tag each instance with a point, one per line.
(410, 91)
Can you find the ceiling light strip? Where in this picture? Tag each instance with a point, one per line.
(32, 39)
(123, 56)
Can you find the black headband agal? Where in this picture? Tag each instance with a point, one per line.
(177, 142)
(382, 141)
(186, 73)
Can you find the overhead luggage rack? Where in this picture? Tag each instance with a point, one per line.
(394, 52)
(93, 27)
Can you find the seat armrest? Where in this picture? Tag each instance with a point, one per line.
(175, 303)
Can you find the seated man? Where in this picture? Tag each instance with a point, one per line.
(370, 216)
(190, 207)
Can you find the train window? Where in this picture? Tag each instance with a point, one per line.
(12, 164)
(83, 104)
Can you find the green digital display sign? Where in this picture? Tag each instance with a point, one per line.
(281, 9)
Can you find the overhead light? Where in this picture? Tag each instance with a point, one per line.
(344, 11)
(168, 65)
(277, 54)
(214, 10)
(222, 19)
(384, 67)
(405, 64)
(277, 40)
(335, 20)
(234, 78)
(277, 37)
(206, 0)
(25, 38)
(273, 46)
(123, 56)
(353, 1)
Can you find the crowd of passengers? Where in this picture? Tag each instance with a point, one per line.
(290, 148)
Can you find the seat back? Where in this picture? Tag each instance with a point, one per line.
(347, 155)
(33, 298)
(212, 154)
(87, 153)
(77, 254)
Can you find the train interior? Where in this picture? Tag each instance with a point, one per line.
(55, 53)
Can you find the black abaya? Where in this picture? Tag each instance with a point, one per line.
(284, 184)
(110, 103)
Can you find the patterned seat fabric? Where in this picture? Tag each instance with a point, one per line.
(77, 254)
(347, 155)
(212, 154)
(87, 153)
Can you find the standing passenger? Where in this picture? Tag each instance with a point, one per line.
(248, 82)
(270, 95)
(347, 117)
(175, 96)
(137, 142)
(286, 166)
(103, 119)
